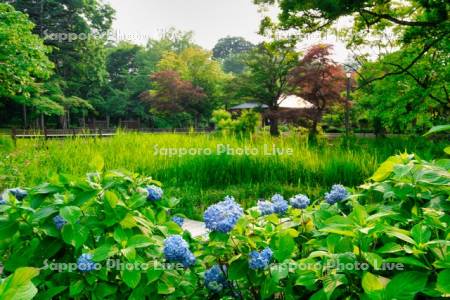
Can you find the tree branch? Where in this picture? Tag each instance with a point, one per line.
(409, 66)
(398, 21)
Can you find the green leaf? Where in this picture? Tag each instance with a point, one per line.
(439, 128)
(386, 168)
(285, 246)
(97, 163)
(139, 241)
(51, 293)
(75, 234)
(165, 288)
(70, 213)
(390, 248)
(268, 288)
(76, 288)
(447, 150)
(238, 269)
(43, 213)
(407, 260)
(400, 234)
(111, 198)
(153, 275)
(103, 252)
(131, 277)
(405, 285)
(443, 282)
(372, 283)
(420, 233)
(18, 285)
(373, 259)
(279, 271)
(331, 282)
(306, 278)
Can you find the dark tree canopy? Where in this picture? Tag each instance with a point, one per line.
(230, 46)
(171, 94)
(319, 80)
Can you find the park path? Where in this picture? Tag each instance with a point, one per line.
(196, 228)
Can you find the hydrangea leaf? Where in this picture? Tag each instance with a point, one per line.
(131, 277)
(405, 285)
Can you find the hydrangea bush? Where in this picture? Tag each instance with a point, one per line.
(389, 239)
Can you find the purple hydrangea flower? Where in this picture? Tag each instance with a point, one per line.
(337, 194)
(59, 222)
(154, 193)
(260, 260)
(18, 193)
(266, 207)
(176, 249)
(85, 263)
(223, 216)
(178, 220)
(300, 201)
(215, 279)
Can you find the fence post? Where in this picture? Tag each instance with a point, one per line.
(13, 136)
(100, 132)
(45, 133)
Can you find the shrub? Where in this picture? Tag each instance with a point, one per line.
(386, 240)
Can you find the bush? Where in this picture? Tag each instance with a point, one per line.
(245, 124)
(387, 240)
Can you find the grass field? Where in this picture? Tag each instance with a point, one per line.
(209, 172)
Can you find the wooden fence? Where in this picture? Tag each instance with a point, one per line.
(99, 133)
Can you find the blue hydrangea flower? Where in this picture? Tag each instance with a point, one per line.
(154, 193)
(260, 260)
(300, 201)
(2, 201)
(214, 279)
(223, 216)
(176, 249)
(19, 193)
(59, 222)
(85, 263)
(337, 193)
(279, 204)
(178, 220)
(277, 197)
(266, 207)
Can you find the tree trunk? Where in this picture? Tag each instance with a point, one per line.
(25, 121)
(273, 117)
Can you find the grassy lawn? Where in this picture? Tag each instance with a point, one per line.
(206, 177)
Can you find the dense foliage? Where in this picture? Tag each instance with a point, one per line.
(387, 240)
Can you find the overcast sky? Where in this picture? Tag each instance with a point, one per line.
(210, 20)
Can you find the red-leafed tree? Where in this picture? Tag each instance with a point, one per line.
(171, 94)
(319, 80)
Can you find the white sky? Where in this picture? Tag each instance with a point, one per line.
(210, 20)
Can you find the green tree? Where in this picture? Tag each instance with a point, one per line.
(23, 55)
(267, 77)
(76, 31)
(416, 31)
(410, 102)
(195, 65)
(230, 52)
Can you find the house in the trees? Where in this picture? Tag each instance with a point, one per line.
(291, 109)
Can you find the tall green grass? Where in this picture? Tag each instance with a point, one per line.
(202, 179)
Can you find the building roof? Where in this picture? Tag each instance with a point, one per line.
(290, 101)
(249, 105)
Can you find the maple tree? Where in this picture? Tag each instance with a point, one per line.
(319, 80)
(172, 94)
